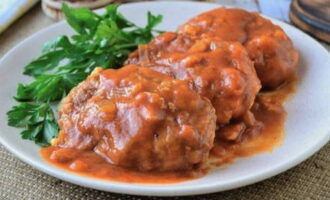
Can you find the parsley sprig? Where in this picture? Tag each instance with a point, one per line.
(100, 40)
(38, 120)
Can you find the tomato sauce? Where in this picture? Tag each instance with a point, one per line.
(90, 164)
(264, 137)
(268, 110)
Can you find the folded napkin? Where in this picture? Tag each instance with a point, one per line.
(10, 10)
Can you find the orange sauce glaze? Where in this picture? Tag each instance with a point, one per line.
(268, 109)
(90, 164)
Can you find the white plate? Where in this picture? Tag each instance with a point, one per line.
(307, 126)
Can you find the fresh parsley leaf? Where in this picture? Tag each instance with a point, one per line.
(49, 87)
(101, 40)
(82, 20)
(37, 119)
(153, 21)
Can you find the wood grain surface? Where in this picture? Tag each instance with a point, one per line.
(312, 16)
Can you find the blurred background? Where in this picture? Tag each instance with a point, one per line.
(313, 16)
(21, 18)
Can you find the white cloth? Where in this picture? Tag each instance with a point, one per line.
(10, 10)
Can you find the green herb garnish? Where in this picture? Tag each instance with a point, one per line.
(99, 41)
(38, 120)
